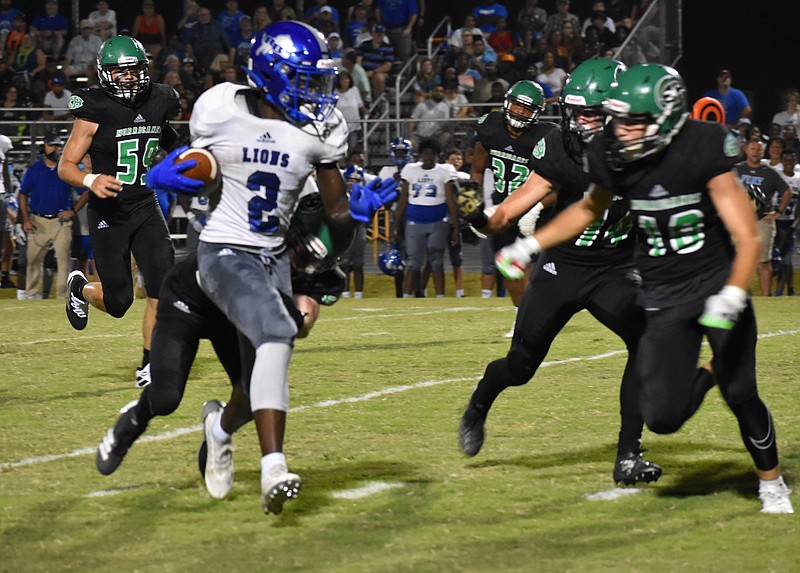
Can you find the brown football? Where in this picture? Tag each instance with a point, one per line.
(206, 169)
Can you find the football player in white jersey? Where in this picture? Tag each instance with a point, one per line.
(426, 206)
(268, 139)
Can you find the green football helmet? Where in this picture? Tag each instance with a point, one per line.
(123, 53)
(314, 245)
(653, 94)
(584, 92)
(529, 95)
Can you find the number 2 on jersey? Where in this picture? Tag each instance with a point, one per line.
(258, 206)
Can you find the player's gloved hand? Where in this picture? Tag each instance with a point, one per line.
(527, 223)
(723, 309)
(167, 174)
(196, 224)
(470, 204)
(20, 236)
(365, 200)
(512, 260)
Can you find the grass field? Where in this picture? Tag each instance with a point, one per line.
(377, 393)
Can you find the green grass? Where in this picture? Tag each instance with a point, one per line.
(520, 505)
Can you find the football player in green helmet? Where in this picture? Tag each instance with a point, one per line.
(697, 248)
(122, 67)
(594, 272)
(523, 104)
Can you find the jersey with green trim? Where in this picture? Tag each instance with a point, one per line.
(606, 242)
(128, 136)
(509, 156)
(683, 250)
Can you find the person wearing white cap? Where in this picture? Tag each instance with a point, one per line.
(82, 50)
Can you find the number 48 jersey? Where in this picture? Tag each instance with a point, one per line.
(264, 164)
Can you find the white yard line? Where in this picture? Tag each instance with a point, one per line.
(328, 403)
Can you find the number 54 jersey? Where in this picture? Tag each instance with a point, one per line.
(264, 164)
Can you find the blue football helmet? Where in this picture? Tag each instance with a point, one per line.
(291, 65)
(401, 151)
(354, 174)
(391, 261)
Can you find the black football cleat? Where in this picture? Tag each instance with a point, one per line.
(632, 468)
(470, 430)
(118, 440)
(77, 307)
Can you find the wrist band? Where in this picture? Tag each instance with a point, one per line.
(89, 179)
(190, 216)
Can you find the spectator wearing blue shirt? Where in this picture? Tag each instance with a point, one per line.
(399, 18)
(52, 29)
(487, 14)
(229, 20)
(733, 100)
(7, 15)
(377, 58)
(312, 14)
(45, 203)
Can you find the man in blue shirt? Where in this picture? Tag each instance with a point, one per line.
(487, 14)
(229, 20)
(733, 100)
(399, 17)
(45, 203)
(52, 29)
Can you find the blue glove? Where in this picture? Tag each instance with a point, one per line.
(366, 200)
(167, 174)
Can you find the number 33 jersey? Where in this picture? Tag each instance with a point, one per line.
(264, 164)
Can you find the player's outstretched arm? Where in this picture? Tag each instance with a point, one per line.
(101, 184)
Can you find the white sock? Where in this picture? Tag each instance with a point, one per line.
(359, 294)
(346, 294)
(768, 483)
(439, 296)
(408, 295)
(219, 434)
(21, 294)
(271, 460)
(460, 293)
(486, 293)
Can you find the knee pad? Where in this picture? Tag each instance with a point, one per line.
(117, 304)
(269, 385)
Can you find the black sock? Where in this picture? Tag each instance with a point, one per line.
(6, 275)
(145, 357)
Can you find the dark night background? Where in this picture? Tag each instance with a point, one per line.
(757, 41)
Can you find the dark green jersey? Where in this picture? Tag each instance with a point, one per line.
(509, 156)
(127, 137)
(607, 241)
(683, 249)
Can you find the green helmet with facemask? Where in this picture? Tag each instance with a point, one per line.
(123, 53)
(527, 94)
(584, 92)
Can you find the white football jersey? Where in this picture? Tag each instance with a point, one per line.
(388, 171)
(426, 186)
(264, 165)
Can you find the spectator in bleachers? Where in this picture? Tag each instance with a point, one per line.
(246, 32)
(260, 19)
(456, 101)
(207, 40)
(774, 150)
(9, 112)
(604, 35)
(172, 63)
(507, 69)
(425, 80)
(789, 136)
(357, 24)
(312, 15)
(399, 18)
(468, 29)
(371, 10)
(229, 20)
(555, 45)
(230, 73)
(732, 99)
(525, 49)
(7, 15)
(104, 20)
(482, 54)
(466, 74)
(336, 47)
(598, 16)
(487, 13)
(536, 17)
(351, 61)
(52, 29)
(279, 11)
(191, 78)
(214, 72)
(149, 28)
(28, 59)
(352, 107)
(19, 27)
(551, 75)
(483, 87)
(501, 39)
(6, 74)
(82, 50)
(790, 115)
(57, 98)
(188, 20)
(556, 21)
(619, 11)
(592, 46)
(325, 23)
(571, 41)
(377, 57)
(425, 118)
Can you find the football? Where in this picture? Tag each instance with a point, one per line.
(206, 170)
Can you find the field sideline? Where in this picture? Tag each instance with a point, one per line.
(377, 392)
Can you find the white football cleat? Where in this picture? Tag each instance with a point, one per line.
(775, 498)
(277, 487)
(218, 472)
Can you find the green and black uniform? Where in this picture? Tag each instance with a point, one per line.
(684, 254)
(127, 139)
